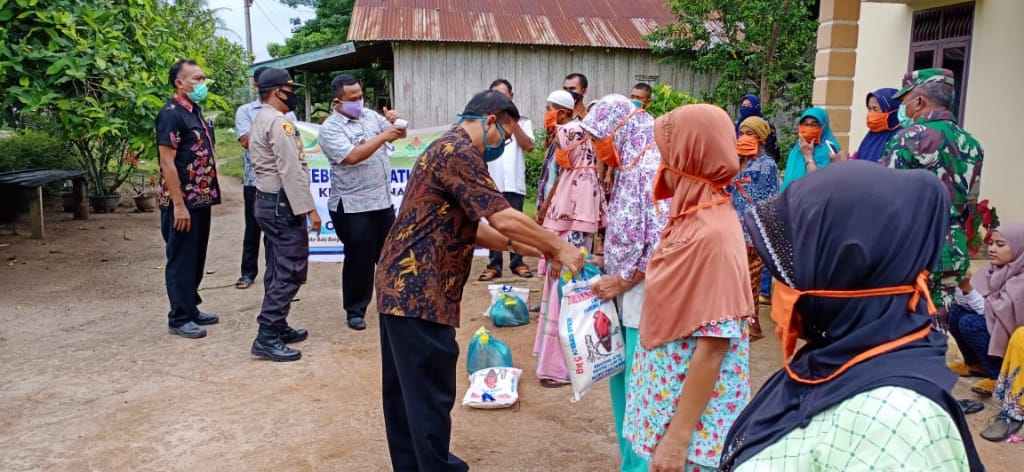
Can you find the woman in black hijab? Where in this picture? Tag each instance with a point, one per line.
(870, 388)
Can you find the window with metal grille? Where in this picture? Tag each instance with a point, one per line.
(941, 37)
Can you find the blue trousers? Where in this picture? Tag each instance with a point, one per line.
(971, 334)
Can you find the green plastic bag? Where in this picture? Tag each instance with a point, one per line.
(509, 310)
(486, 351)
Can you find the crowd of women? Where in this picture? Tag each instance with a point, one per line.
(690, 219)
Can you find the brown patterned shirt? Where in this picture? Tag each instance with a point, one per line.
(427, 256)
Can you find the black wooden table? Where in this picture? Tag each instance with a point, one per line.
(33, 181)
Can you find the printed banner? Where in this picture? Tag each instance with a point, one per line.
(325, 246)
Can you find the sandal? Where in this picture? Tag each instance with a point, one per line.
(552, 383)
(243, 283)
(1001, 428)
(489, 275)
(964, 370)
(984, 387)
(523, 271)
(970, 407)
(755, 329)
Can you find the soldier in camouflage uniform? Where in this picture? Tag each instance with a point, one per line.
(932, 140)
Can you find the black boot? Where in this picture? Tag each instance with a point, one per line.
(291, 335)
(268, 345)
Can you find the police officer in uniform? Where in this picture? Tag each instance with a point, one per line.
(283, 202)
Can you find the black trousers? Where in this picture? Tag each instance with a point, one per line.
(251, 241)
(515, 260)
(287, 252)
(418, 385)
(363, 235)
(186, 263)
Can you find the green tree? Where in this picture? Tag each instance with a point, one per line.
(329, 28)
(761, 46)
(224, 61)
(95, 73)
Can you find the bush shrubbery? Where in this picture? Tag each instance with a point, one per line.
(31, 149)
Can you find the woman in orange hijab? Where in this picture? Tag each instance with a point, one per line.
(694, 325)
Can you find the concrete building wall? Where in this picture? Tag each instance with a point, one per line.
(433, 81)
(883, 46)
(994, 104)
(995, 75)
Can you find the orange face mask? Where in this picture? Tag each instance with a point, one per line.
(878, 121)
(810, 134)
(788, 321)
(747, 145)
(550, 119)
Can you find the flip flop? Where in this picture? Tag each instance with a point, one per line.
(523, 271)
(970, 407)
(552, 383)
(243, 283)
(489, 275)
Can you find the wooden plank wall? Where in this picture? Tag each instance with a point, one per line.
(433, 81)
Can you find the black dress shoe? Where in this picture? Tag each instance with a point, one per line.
(189, 330)
(1001, 428)
(204, 319)
(290, 335)
(357, 323)
(268, 345)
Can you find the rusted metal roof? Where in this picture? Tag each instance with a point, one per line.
(592, 23)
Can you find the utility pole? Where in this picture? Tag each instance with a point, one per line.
(247, 5)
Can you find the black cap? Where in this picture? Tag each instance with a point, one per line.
(490, 102)
(274, 77)
(256, 73)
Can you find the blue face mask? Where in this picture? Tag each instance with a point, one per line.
(637, 103)
(491, 153)
(199, 92)
(902, 116)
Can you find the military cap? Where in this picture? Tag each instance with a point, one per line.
(925, 76)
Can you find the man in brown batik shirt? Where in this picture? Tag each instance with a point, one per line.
(424, 266)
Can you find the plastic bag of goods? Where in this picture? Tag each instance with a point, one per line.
(591, 337)
(495, 387)
(589, 271)
(487, 351)
(508, 305)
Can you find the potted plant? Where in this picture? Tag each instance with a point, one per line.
(145, 193)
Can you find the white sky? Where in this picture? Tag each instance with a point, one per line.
(270, 22)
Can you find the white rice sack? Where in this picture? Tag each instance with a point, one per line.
(591, 337)
(493, 387)
(497, 289)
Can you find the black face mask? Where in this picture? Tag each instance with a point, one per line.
(292, 100)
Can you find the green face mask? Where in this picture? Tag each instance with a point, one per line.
(199, 92)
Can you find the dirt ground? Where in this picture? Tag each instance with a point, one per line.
(93, 382)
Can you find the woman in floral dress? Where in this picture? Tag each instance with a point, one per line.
(757, 181)
(635, 222)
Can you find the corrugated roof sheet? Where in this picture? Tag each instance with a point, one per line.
(594, 23)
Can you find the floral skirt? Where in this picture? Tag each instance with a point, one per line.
(1010, 386)
(658, 379)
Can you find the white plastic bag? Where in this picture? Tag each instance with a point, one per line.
(591, 337)
(497, 289)
(493, 387)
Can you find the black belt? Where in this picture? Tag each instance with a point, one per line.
(277, 197)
